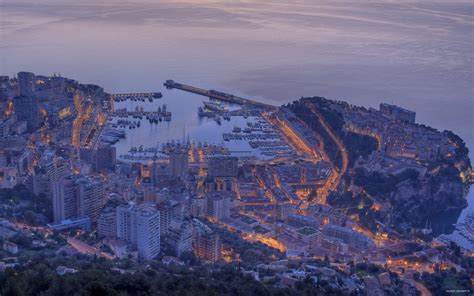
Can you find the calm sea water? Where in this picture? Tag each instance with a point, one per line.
(446, 223)
(417, 54)
(185, 125)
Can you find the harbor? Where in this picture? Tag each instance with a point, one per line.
(161, 114)
(137, 97)
(463, 233)
(198, 151)
(140, 130)
(216, 95)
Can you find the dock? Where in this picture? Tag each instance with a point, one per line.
(216, 95)
(137, 95)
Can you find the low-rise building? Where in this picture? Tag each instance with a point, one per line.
(10, 247)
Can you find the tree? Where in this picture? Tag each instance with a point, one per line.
(30, 217)
(12, 288)
(326, 261)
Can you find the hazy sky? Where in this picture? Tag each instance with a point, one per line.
(417, 54)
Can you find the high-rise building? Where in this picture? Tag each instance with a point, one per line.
(223, 184)
(58, 169)
(91, 197)
(178, 162)
(198, 207)
(49, 171)
(221, 173)
(107, 223)
(223, 166)
(206, 244)
(41, 182)
(105, 158)
(218, 206)
(26, 83)
(180, 237)
(77, 197)
(24, 160)
(140, 227)
(166, 213)
(26, 109)
(160, 174)
(65, 200)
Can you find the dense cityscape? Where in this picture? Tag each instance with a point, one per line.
(323, 197)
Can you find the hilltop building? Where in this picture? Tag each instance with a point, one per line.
(398, 113)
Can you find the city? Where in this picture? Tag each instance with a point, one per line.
(216, 147)
(315, 194)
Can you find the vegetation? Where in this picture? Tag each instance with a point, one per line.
(447, 280)
(251, 253)
(376, 183)
(20, 203)
(358, 146)
(359, 205)
(310, 119)
(364, 269)
(98, 279)
(406, 192)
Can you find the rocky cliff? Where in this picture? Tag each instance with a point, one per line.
(405, 200)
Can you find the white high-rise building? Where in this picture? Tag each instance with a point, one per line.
(91, 196)
(65, 202)
(77, 197)
(218, 206)
(107, 223)
(140, 227)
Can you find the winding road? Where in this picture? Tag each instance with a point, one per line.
(336, 174)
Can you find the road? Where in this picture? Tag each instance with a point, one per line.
(337, 174)
(84, 248)
(292, 137)
(77, 123)
(420, 287)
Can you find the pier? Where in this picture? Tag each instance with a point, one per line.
(136, 96)
(216, 95)
(125, 113)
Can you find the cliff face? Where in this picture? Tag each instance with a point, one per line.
(428, 199)
(427, 190)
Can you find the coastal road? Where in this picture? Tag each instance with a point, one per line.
(337, 174)
(293, 138)
(84, 248)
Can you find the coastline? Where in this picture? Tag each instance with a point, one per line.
(457, 235)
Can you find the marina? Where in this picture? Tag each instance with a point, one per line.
(463, 233)
(198, 151)
(161, 114)
(112, 135)
(242, 131)
(136, 97)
